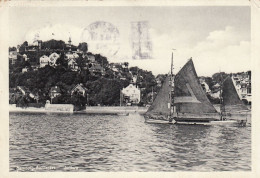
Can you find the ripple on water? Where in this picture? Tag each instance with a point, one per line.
(80, 142)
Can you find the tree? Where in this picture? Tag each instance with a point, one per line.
(210, 82)
(83, 47)
(82, 62)
(12, 49)
(23, 46)
(53, 44)
(101, 60)
(126, 64)
(61, 61)
(22, 102)
(219, 77)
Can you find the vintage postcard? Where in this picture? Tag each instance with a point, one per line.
(129, 88)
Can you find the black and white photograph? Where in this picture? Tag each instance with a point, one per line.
(129, 88)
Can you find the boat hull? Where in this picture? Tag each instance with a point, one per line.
(157, 121)
(237, 123)
(187, 117)
(239, 116)
(123, 114)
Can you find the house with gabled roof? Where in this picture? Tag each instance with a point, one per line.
(96, 68)
(79, 89)
(53, 58)
(73, 65)
(44, 60)
(71, 55)
(133, 93)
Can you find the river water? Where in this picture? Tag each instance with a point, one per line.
(80, 142)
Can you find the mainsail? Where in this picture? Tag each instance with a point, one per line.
(189, 97)
(231, 100)
(160, 109)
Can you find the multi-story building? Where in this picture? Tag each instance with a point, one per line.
(53, 58)
(71, 56)
(44, 60)
(131, 94)
(13, 56)
(242, 83)
(73, 65)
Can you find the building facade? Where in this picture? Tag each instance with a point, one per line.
(44, 60)
(242, 83)
(53, 58)
(132, 93)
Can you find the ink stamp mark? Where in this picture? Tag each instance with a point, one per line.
(102, 37)
(141, 41)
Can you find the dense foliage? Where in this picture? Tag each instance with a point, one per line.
(102, 89)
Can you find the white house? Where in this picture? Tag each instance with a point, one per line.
(25, 57)
(13, 56)
(134, 93)
(53, 58)
(71, 56)
(205, 87)
(25, 69)
(215, 94)
(79, 89)
(44, 60)
(73, 65)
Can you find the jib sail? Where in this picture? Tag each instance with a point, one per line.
(160, 109)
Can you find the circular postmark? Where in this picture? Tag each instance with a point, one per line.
(102, 37)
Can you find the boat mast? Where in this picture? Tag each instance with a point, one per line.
(171, 90)
(120, 98)
(170, 94)
(222, 107)
(152, 93)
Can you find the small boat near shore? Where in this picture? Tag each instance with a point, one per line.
(123, 114)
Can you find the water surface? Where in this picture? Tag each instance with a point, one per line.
(79, 142)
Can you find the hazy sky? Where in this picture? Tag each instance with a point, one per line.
(217, 38)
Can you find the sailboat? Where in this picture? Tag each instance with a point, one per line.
(182, 100)
(232, 108)
(160, 110)
(190, 103)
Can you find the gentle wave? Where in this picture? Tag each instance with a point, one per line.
(79, 142)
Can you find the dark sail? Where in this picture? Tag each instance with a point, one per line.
(231, 100)
(160, 108)
(189, 97)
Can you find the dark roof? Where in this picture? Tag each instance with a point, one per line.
(96, 67)
(79, 86)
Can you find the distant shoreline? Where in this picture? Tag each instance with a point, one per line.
(88, 110)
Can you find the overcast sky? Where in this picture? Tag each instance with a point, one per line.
(217, 38)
